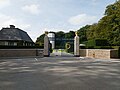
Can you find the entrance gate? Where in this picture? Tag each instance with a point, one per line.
(62, 46)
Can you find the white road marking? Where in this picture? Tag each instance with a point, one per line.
(36, 59)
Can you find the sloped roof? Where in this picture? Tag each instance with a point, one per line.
(14, 34)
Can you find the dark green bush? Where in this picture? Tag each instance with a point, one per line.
(97, 42)
(89, 47)
(82, 47)
(21, 47)
(106, 47)
(98, 47)
(90, 43)
(101, 42)
(119, 52)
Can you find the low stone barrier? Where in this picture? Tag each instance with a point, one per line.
(99, 53)
(21, 52)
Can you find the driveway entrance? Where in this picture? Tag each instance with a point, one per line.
(61, 53)
(59, 73)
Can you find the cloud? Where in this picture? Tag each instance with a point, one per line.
(33, 8)
(82, 19)
(5, 21)
(4, 3)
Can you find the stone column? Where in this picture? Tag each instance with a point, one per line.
(76, 46)
(46, 45)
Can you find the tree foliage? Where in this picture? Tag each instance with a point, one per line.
(60, 34)
(107, 28)
(40, 40)
(70, 34)
(82, 33)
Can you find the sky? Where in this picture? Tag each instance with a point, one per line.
(37, 16)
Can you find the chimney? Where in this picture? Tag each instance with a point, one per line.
(12, 26)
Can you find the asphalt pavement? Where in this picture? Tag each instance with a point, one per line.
(59, 73)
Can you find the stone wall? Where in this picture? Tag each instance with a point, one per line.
(114, 53)
(99, 53)
(21, 52)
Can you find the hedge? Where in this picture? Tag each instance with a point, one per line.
(21, 47)
(119, 52)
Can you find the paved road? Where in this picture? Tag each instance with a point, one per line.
(59, 73)
(61, 54)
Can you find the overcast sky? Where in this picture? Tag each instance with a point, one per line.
(37, 16)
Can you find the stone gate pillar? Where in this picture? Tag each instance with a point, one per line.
(46, 45)
(76, 46)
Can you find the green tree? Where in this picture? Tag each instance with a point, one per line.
(40, 40)
(82, 33)
(109, 26)
(70, 34)
(60, 34)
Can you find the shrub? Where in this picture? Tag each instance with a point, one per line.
(106, 47)
(101, 42)
(21, 47)
(89, 47)
(90, 43)
(119, 52)
(82, 47)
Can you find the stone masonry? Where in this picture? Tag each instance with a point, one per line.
(99, 53)
(21, 52)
